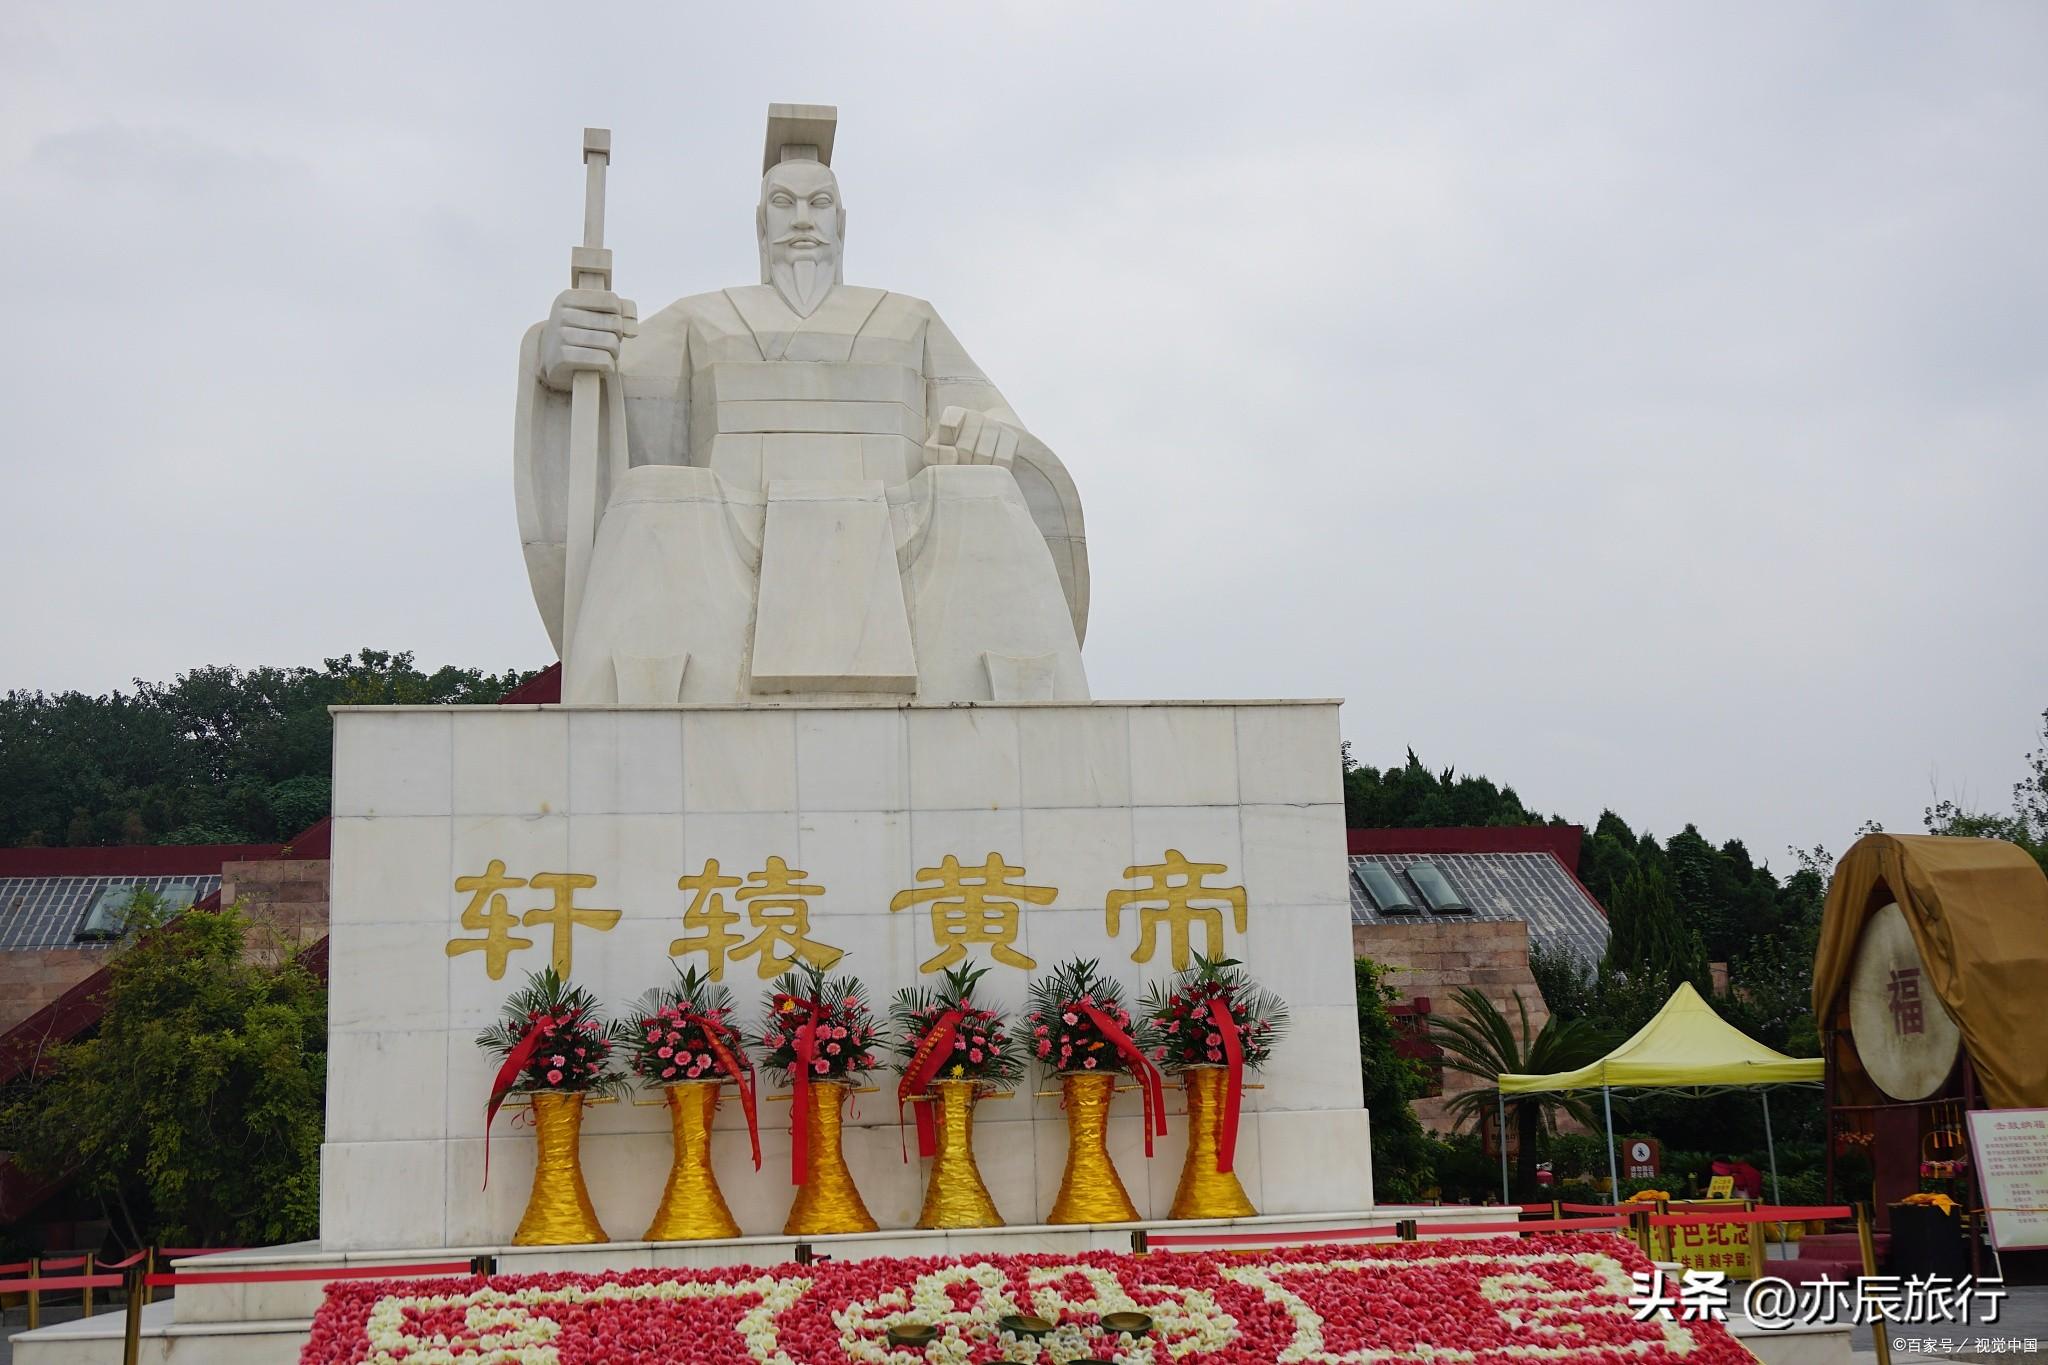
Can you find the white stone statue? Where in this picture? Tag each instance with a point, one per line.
(810, 492)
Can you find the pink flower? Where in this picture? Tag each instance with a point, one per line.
(975, 1055)
(821, 1066)
(1044, 1047)
(1213, 1039)
(1088, 1062)
(667, 1052)
(832, 1048)
(959, 1043)
(554, 1078)
(561, 1061)
(1070, 1017)
(703, 1059)
(667, 1071)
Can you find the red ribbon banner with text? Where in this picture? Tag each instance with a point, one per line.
(931, 1055)
(508, 1076)
(721, 1040)
(806, 1044)
(1150, 1086)
(1233, 1086)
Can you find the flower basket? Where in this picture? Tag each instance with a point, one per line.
(1082, 1031)
(683, 1040)
(818, 1037)
(951, 1051)
(554, 1045)
(1210, 1025)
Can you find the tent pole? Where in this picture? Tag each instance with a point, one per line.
(1501, 1095)
(1613, 1172)
(1770, 1146)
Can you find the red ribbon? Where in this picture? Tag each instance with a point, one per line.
(931, 1055)
(806, 1044)
(1151, 1087)
(742, 1073)
(508, 1076)
(1233, 1089)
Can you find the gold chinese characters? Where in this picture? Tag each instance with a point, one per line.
(971, 905)
(974, 905)
(488, 912)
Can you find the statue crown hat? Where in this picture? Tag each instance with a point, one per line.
(799, 132)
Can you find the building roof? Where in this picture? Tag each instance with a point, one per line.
(1561, 840)
(46, 894)
(1531, 886)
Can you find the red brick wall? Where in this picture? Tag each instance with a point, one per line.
(32, 978)
(1433, 957)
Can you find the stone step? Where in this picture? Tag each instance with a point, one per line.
(97, 1340)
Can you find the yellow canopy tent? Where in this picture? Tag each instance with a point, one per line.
(1686, 1046)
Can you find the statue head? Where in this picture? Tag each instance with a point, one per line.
(800, 223)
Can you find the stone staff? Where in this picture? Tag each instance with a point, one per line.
(596, 407)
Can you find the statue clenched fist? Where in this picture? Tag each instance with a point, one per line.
(583, 332)
(963, 436)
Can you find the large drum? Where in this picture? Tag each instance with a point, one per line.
(1903, 1033)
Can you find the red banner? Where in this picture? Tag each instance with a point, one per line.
(1150, 1086)
(1233, 1083)
(508, 1076)
(742, 1073)
(931, 1055)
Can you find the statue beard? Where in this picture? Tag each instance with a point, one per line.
(803, 284)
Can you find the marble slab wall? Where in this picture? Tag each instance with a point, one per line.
(860, 799)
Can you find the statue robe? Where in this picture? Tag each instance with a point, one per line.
(778, 533)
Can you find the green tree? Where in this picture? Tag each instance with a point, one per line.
(221, 755)
(1401, 1160)
(1649, 937)
(1413, 797)
(1479, 1041)
(194, 1113)
(2026, 824)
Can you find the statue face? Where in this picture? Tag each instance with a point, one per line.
(801, 221)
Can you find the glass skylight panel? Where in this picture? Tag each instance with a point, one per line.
(1437, 891)
(1384, 890)
(111, 908)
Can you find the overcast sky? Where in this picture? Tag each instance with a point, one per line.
(1640, 405)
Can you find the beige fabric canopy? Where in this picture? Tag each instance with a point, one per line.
(1978, 910)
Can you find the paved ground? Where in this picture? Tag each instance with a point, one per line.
(2022, 1315)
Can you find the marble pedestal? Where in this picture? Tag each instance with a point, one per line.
(860, 799)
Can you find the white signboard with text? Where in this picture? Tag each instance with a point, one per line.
(2010, 1149)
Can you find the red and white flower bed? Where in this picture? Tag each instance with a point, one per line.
(1502, 1302)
